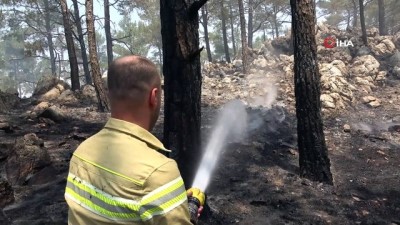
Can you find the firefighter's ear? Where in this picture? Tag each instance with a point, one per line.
(154, 97)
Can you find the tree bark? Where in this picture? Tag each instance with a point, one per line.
(355, 14)
(107, 29)
(73, 62)
(232, 29)
(182, 82)
(275, 19)
(243, 35)
(224, 33)
(313, 153)
(382, 23)
(204, 14)
(81, 40)
(49, 37)
(362, 21)
(250, 25)
(94, 62)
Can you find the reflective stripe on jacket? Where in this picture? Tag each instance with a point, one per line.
(117, 177)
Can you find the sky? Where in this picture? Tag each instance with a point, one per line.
(98, 10)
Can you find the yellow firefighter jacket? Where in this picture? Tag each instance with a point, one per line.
(118, 177)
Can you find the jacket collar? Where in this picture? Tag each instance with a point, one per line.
(136, 131)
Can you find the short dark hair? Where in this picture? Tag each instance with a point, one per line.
(130, 77)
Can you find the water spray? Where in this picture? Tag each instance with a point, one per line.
(231, 123)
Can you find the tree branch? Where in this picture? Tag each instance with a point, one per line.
(195, 6)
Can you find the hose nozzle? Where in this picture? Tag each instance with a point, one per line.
(195, 201)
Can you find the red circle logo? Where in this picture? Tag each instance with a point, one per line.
(330, 42)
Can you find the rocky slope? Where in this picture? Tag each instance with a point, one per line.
(360, 96)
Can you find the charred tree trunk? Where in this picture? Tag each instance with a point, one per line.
(82, 42)
(73, 62)
(362, 21)
(355, 14)
(250, 25)
(232, 29)
(313, 153)
(275, 19)
(94, 62)
(107, 29)
(204, 14)
(243, 35)
(224, 33)
(49, 37)
(182, 82)
(382, 23)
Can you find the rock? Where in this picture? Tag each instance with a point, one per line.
(394, 60)
(53, 94)
(389, 45)
(261, 63)
(396, 119)
(54, 113)
(341, 66)
(5, 150)
(385, 47)
(396, 40)
(394, 128)
(12, 91)
(374, 104)
(4, 126)
(286, 58)
(329, 105)
(363, 50)
(8, 101)
(227, 80)
(237, 63)
(43, 176)
(39, 108)
(46, 83)
(327, 98)
(336, 91)
(396, 72)
(365, 66)
(372, 32)
(346, 128)
(28, 158)
(368, 99)
(381, 76)
(88, 93)
(6, 193)
(282, 45)
(67, 97)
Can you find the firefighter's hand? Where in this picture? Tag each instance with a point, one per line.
(189, 194)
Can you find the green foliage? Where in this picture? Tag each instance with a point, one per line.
(133, 38)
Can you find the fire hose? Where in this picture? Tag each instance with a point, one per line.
(196, 200)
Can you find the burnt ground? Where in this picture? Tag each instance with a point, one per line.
(256, 180)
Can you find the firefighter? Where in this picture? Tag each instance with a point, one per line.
(119, 175)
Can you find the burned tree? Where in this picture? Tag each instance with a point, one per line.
(362, 21)
(204, 15)
(381, 16)
(73, 62)
(94, 62)
(107, 29)
(81, 40)
(224, 32)
(313, 153)
(243, 35)
(182, 82)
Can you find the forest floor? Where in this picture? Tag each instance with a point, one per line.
(256, 181)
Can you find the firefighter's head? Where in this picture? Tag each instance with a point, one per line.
(134, 86)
